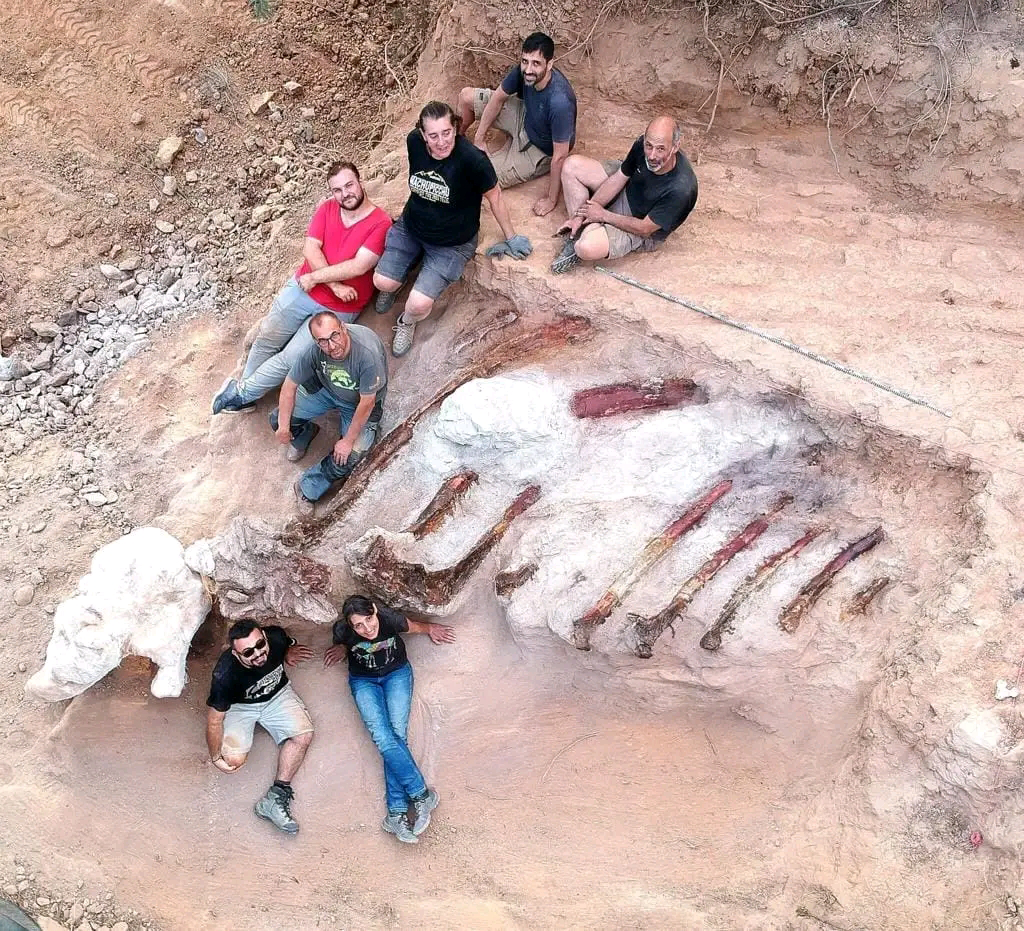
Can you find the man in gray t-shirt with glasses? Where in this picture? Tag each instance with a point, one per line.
(345, 370)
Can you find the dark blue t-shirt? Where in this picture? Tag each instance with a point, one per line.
(550, 113)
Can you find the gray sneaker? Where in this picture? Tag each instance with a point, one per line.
(567, 259)
(295, 453)
(399, 826)
(274, 806)
(302, 504)
(402, 342)
(424, 806)
(385, 301)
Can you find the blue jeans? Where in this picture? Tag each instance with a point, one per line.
(282, 338)
(318, 478)
(384, 706)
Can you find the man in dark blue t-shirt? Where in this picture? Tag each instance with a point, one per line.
(630, 206)
(536, 107)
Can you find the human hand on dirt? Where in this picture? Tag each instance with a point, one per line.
(334, 655)
(570, 227)
(298, 653)
(284, 435)
(342, 450)
(343, 292)
(441, 633)
(223, 765)
(307, 282)
(544, 206)
(591, 212)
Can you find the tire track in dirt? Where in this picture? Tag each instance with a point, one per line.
(66, 78)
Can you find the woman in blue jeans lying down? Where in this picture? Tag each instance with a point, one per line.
(380, 678)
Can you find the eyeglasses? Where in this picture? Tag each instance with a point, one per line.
(249, 651)
(333, 340)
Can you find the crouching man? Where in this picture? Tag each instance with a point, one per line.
(250, 687)
(634, 206)
(344, 370)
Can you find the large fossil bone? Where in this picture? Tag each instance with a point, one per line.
(507, 582)
(607, 400)
(583, 626)
(414, 587)
(514, 349)
(644, 631)
(442, 504)
(753, 583)
(791, 617)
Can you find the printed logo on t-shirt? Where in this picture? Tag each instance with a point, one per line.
(339, 377)
(266, 685)
(375, 655)
(430, 186)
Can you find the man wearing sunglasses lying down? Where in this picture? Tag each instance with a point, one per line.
(250, 687)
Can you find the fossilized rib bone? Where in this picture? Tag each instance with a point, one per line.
(507, 582)
(790, 619)
(754, 582)
(514, 349)
(658, 547)
(860, 602)
(442, 504)
(607, 400)
(413, 586)
(644, 631)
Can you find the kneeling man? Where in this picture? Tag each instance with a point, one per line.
(344, 370)
(250, 687)
(633, 208)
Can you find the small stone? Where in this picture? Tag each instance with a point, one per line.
(76, 913)
(96, 499)
(137, 119)
(22, 667)
(293, 87)
(42, 901)
(130, 264)
(168, 151)
(261, 213)
(200, 135)
(191, 176)
(170, 187)
(164, 226)
(44, 329)
(112, 273)
(57, 236)
(87, 295)
(259, 102)
(23, 595)
(154, 205)
(307, 113)
(70, 293)
(119, 926)
(48, 924)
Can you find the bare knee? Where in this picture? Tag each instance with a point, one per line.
(418, 306)
(466, 97)
(593, 244)
(573, 164)
(234, 759)
(302, 741)
(387, 285)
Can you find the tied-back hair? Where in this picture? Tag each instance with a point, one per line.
(340, 165)
(357, 604)
(436, 110)
(240, 630)
(540, 42)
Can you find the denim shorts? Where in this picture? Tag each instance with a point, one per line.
(442, 265)
(283, 716)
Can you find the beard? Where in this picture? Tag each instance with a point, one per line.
(354, 203)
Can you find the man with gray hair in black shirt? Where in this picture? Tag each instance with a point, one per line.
(627, 206)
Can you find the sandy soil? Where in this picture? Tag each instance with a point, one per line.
(575, 794)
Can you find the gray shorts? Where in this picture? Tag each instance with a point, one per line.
(620, 242)
(442, 265)
(519, 159)
(282, 717)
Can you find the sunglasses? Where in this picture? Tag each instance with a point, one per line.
(249, 651)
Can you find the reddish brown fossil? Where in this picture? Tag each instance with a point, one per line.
(658, 547)
(861, 601)
(515, 348)
(507, 582)
(607, 400)
(644, 631)
(412, 585)
(791, 617)
(442, 504)
(754, 582)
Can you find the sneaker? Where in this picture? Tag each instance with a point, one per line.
(399, 826)
(567, 259)
(295, 453)
(385, 301)
(274, 806)
(424, 806)
(402, 342)
(302, 504)
(227, 400)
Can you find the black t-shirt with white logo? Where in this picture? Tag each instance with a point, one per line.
(235, 684)
(443, 208)
(377, 657)
(667, 199)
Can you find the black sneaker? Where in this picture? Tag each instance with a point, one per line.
(228, 400)
(567, 259)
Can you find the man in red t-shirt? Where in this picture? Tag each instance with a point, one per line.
(344, 241)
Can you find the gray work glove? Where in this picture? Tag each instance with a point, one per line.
(517, 246)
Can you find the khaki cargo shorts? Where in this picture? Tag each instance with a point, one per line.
(620, 242)
(282, 717)
(519, 160)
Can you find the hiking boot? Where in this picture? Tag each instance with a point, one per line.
(302, 504)
(424, 806)
(295, 453)
(399, 826)
(228, 400)
(385, 301)
(567, 259)
(402, 342)
(274, 806)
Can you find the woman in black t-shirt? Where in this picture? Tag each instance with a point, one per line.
(380, 678)
(448, 179)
